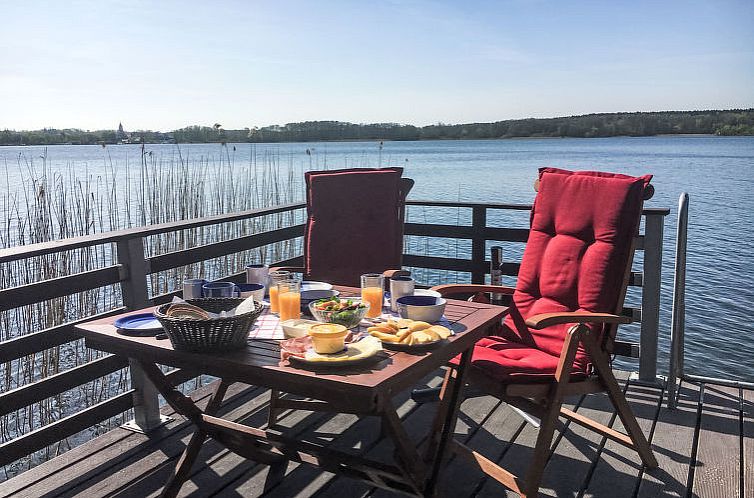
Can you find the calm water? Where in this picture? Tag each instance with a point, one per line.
(717, 172)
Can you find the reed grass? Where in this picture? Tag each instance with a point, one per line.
(52, 205)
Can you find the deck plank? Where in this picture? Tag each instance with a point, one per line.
(748, 454)
(124, 464)
(360, 436)
(85, 461)
(472, 413)
(618, 468)
(151, 481)
(672, 444)
(560, 471)
(122, 476)
(491, 439)
(417, 420)
(228, 473)
(718, 458)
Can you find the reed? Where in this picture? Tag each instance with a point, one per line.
(45, 205)
(51, 205)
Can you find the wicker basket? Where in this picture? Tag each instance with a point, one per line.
(219, 334)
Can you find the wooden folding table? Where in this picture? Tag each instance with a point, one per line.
(363, 390)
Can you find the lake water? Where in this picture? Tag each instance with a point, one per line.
(717, 172)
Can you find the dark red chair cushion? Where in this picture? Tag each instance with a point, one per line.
(512, 362)
(354, 224)
(582, 226)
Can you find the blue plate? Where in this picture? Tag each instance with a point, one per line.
(142, 324)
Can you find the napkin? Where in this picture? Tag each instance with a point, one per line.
(181, 309)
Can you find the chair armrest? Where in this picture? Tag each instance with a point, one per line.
(388, 274)
(450, 289)
(548, 319)
(396, 273)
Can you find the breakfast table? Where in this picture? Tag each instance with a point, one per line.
(364, 389)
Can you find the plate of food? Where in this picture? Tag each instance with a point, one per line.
(359, 351)
(409, 335)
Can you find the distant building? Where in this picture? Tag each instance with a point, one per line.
(120, 135)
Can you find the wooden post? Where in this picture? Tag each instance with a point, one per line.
(136, 296)
(478, 243)
(134, 283)
(650, 297)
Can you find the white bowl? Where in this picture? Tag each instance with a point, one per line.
(296, 327)
(314, 285)
(422, 308)
(426, 292)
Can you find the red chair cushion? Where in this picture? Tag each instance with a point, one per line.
(353, 224)
(582, 226)
(512, 362)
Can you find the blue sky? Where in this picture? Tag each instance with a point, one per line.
(164, 65)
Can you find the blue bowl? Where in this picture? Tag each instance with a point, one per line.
(423, 308)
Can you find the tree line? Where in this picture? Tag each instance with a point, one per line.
(635, 124)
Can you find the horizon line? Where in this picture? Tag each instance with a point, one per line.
(439, 123)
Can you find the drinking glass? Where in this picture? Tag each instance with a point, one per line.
(373, 292)
(289, 299)
(399, 287)
(275, 277)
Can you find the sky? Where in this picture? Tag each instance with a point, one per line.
(169, 64)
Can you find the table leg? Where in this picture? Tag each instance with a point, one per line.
(186, 407)
(408, 457)
(448, 413)
(183, 467)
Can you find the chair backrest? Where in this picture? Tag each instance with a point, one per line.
(355, 223)
(579, 252)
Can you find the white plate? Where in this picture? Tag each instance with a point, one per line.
(314, 285)
(426, 292)
(354, 353)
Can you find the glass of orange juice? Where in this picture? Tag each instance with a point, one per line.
(275, 277)
(373, 292)
(289, 299)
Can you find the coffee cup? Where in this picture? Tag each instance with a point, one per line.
(192, 288)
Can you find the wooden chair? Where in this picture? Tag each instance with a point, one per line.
(354, 226)
(564, 314)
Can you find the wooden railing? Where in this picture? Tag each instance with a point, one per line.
(132, 268)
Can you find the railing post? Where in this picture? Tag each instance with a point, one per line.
(136, 296)
(678, 321)
(478, 243)
(134, 268)
(650, 297)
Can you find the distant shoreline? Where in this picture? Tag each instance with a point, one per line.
(731, 122)
(354, 140)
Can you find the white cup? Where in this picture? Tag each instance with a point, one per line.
(399, 287)
(257, 274)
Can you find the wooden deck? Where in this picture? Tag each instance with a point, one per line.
(705, 448)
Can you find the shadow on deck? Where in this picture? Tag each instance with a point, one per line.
(705, 448)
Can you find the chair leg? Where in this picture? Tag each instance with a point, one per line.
(533, 475)
(640, 443)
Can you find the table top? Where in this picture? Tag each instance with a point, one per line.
(259, 363)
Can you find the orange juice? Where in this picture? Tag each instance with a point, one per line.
(373, 296)
(273, 299)
(289, 304)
